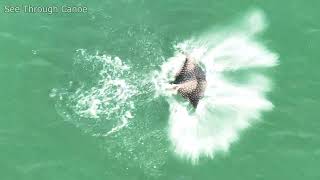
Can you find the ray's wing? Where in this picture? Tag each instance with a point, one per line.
(188, 87)
(195, 96)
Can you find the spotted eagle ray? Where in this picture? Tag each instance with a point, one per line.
(190, 81)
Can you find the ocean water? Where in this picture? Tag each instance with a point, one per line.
(85, 95)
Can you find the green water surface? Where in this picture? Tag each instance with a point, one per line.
(37, 54)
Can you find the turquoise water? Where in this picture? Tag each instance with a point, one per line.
(83, 95)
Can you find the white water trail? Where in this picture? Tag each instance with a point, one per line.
(228, 106)
(101, 103)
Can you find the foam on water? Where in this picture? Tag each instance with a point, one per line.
(229, 106)
(101, 102)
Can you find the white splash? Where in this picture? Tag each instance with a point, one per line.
(103, 103)
(229, 105)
